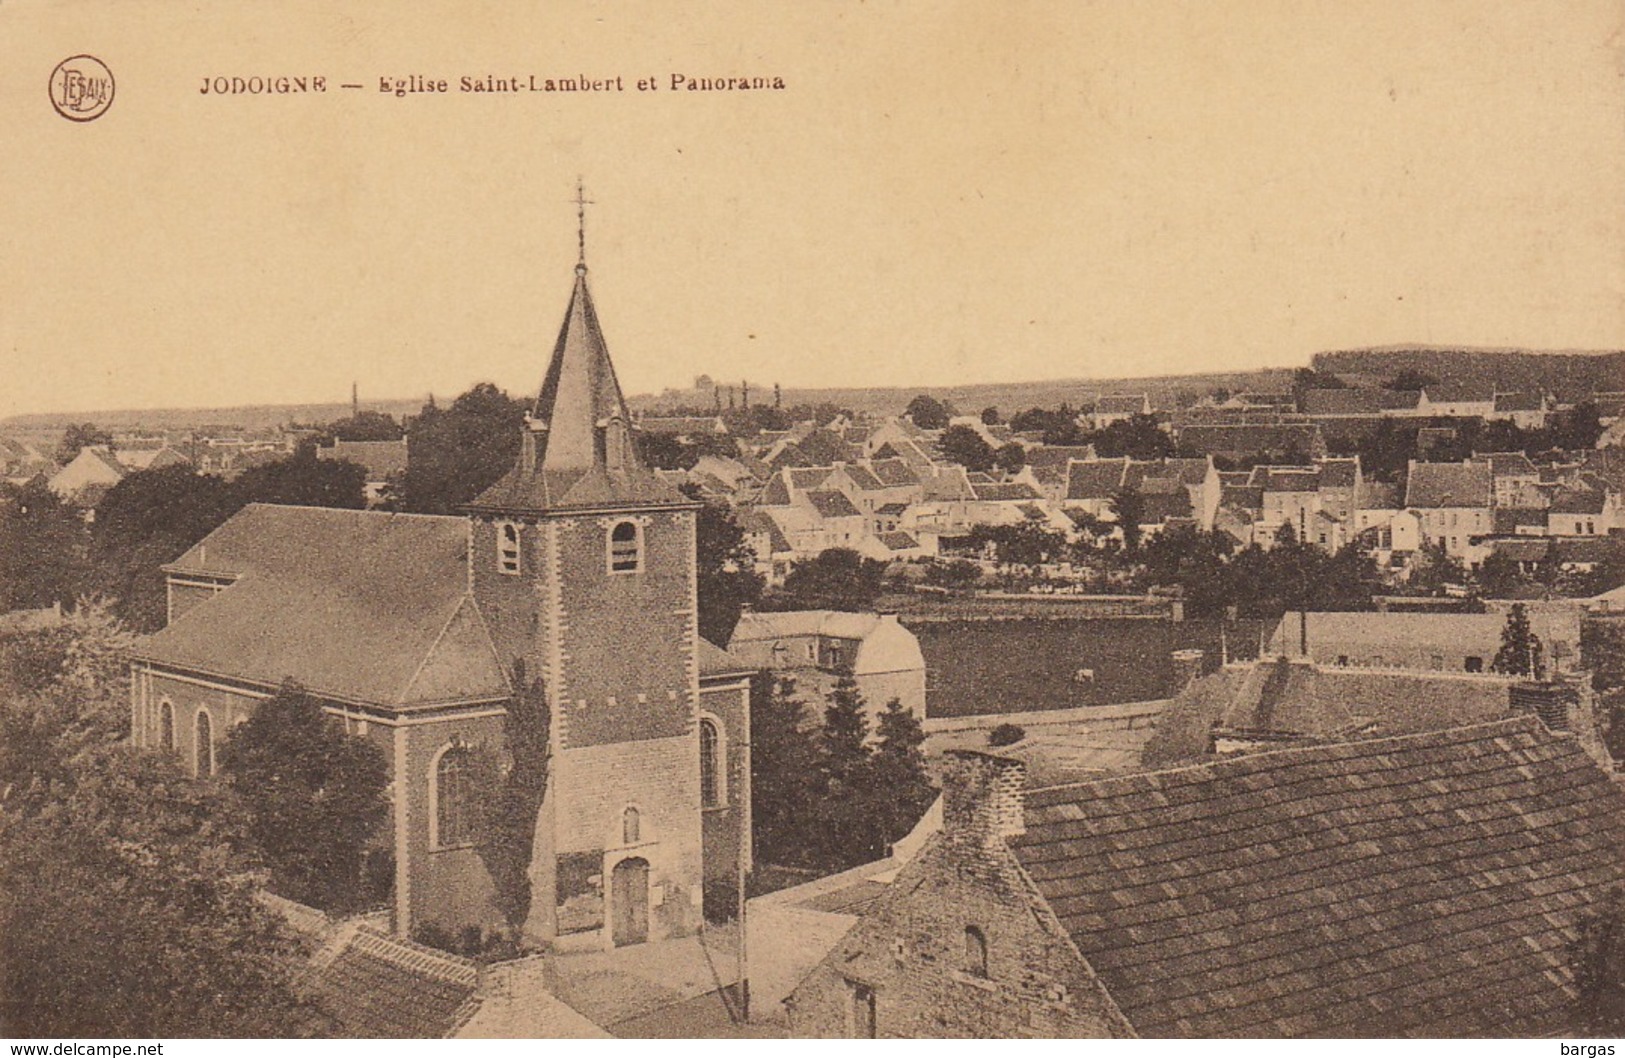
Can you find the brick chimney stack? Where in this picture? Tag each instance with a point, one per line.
(983, 796)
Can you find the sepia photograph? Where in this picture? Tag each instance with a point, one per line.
(911, 519)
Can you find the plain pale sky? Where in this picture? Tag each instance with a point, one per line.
(944, 193)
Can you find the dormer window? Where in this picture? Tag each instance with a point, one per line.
(508, 548)
(625, 548)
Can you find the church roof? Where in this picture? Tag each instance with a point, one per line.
(362, 606)
(578, 451)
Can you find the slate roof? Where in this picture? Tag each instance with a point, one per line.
(831, 504)
(1448, 485)
(1338, 473)
(1245, 497)
(1422, 885)
(1578, 501)
(862, 478)
(898, 541)
(362, 606)
(382, 987)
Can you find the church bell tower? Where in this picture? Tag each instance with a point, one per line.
(582, 562)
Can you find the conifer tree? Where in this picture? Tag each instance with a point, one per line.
(849, 834)
(784, 770)
(899, 789)
(1520, 653)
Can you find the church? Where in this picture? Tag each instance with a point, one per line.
(578, 568)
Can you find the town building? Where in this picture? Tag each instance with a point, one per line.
(571, 579)
(820, 646)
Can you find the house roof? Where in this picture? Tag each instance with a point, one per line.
(1098, 479)
(715, 661)
(1578, 501)
(1357, 401)
(1421, 885)
(1004, 491)
(1159, 507)
(1338, 473)
(831, 504)
(1377, 495)
(948, 483)
(1448, 485)
(1507, 464)
(893, 472)
(1508, 519)
(1459, 392)
(862, 477)
(1122, 404)
(891, 508)
(682, 425)
(897, 541)
(1519, 402)
(1246, 439)
(362, 606)
(1245, 497)
(756, 626)
(382, 987)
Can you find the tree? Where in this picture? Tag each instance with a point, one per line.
(511, 799)
(963, 445)
(783, 773)
(899, 789)
(1599, 968)
(1129, 507)
(836, 579)
(849, 834)
(148, 519)
(954, 574)
(1025, 543)
(365, 426)
(305, 481)
(990, 417)
(1010, 457)
(455, 454)
(81, 435)
(928, 413)
(44, 549)
(313, 798)
(1006, 735)
(1521, 651)
(727, 580)
(1138, 436)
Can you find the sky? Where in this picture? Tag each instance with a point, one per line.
(943, 193)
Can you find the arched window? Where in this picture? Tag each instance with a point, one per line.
(631, 827)
(710, 764)
(625, 549)
(453, 783)
(166, 725)
(508, 547)
(975, 952)
(203, 745)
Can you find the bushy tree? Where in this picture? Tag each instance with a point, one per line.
(454, 454)
(953, 573)
(148, 519)
(1138, 436)
(44, 549)
(312, 797)
(1026, 544)
(727, 580)
(990, 416)
(928, 413)
(80, 435)
(963, 445)
(836, 579)
(1010, 457)
(1129, 507)
(365, 426)
(305, 481)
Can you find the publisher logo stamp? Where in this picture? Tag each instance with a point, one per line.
(81, 88)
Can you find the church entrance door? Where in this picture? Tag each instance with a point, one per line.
(629, 902)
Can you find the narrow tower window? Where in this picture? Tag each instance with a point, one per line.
(508, 547)
(452, 816)
(166, 725)
(625, 549)
(975, 952)
(631, 827)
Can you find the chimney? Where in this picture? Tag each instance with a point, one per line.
(1187, 667)
(1553, 702)
(982, 796)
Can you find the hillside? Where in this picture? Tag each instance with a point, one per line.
(1570, 374)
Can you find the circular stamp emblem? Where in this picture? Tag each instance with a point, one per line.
(81, 88)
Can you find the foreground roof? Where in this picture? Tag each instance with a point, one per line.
(1424, 885)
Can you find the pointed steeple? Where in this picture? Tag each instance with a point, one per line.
(576, 451)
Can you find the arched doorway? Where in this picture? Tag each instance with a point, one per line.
(629, 902)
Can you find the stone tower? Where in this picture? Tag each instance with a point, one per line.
(582, 562)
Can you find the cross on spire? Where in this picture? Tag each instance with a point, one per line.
(582, 202)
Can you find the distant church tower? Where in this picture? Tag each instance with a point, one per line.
(582, 562)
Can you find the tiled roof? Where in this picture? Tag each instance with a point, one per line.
(1160, 507)
(1244, 497)
(1448, 485)
(358, 605)
(1357, 401)
(1507, 464)
(862, 477)
(831, 504)
(1094, 480)
(1002, 491)
(949, 483)
(1189, 471)
(893, 509)
(1449, 392)
(1338, 473)
(1377, 496)
(1578, 501)
(1423, 885)
(893, 472)
(381, 987)
(1508, 519)
(899, 541)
